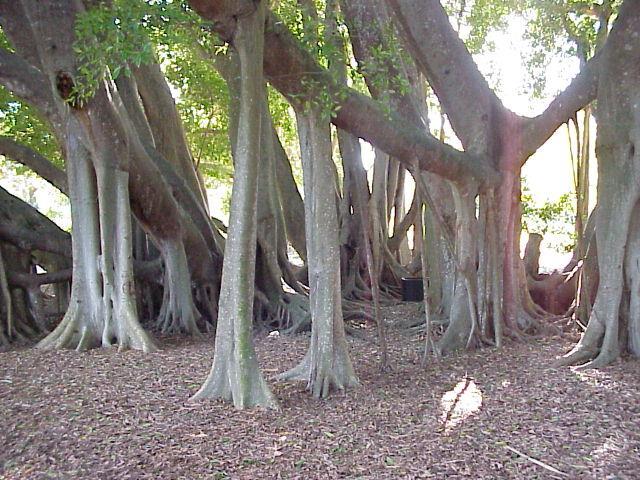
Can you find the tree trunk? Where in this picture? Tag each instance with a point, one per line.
(104, 126)
(178, 312)
(618, 194)
(235, 374)
(463, 314)
(327, 365)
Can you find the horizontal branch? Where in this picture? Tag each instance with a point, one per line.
(580, 92)
(39, 164)
(150, 271)
(296, 74)
(26, 239)
(25, 81)
(28, 229)
(30, 280)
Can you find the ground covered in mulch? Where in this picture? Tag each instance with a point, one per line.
(487, 414)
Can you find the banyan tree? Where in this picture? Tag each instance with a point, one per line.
(146, 255)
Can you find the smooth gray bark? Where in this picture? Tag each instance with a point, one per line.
(235, 374)
(327, 365)
(618, 194)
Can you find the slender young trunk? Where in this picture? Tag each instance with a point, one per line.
(441, 263)
(379, 195)
(326, 365)
(463, 316)
(235, 374)
(6, 295)
(178, 313)
(399, 212)
(128, 330)
(422, 225)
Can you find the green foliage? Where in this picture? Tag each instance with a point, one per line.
(565, 28)
(203, 102)
(308, 25)
(377, 68)
(555, 28)
(475, 19)
(109, 39)
(4, 42)
(553, 220)
(21, 122)
(112, 38)
(484, 16)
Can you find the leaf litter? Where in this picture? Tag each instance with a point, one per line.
(485, 414)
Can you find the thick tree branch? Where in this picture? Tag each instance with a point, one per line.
(150, 271)
(462, 89)
(294, 72)
(444, 59)
(27, 239)
(27, 228)
(31, 280)
(580, 92)
(366, 20)
(25, 81)
(36, 162)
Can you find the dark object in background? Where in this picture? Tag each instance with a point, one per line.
(412, 290)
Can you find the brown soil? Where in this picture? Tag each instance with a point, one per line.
(109, 415)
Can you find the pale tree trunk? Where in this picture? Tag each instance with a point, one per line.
(275, 223)
(378, 206)
(463, 313)
(580, 160)
(178, 313)
(581, 185)
(356, 188)
(618, 194)
(441, 264)
(86, 323)
(84, 314)
(102, 307)
(327, 365)
(422, 226)
(399, 212)
(235, 374)
(104, 126)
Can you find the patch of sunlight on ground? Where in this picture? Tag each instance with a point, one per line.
(596, 378)
(607, 450)
(607, 453)
(459, 403)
